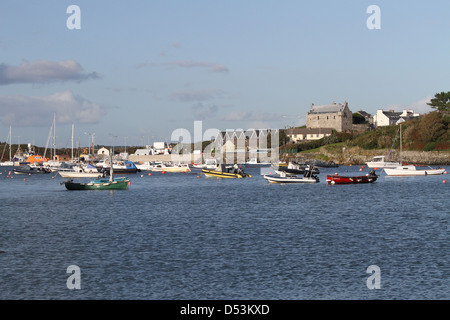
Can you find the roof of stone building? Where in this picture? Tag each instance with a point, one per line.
(330, 108)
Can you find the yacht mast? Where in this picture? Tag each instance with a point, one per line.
(401, 141)
(54, 136)
(72, 144)
(10, 158)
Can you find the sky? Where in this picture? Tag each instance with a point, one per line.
(136, 72)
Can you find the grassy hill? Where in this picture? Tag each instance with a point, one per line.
(429, 132)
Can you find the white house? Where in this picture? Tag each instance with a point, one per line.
(143, 152)
(103, 152)
(391, 118)
(304, 134)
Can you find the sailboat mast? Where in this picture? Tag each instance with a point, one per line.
(54, 136)
(72, 143)
(10, 158)
(401, 143)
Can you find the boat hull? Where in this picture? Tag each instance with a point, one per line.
(116, 184)
(413, 172)
(226, 175)
(290, 179)
(32, 171)
(67, 174)
(351, 180)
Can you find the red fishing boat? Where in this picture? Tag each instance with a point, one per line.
(337, 179)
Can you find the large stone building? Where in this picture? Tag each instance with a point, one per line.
(334, 116)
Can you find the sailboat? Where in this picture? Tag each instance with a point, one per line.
(9, 163)
(102, 183)
(411, 170)
(383, 162)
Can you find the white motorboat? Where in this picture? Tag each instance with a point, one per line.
(147, 165)
(210, 164)
(411, 170)
(283, 177)
(380, 162)
(170, 167)
(253, 162)
(88, 171)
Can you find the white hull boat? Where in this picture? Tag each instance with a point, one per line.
(282, 177)
(411, 170)
(74, 174)
(380, 163)
(171, 168)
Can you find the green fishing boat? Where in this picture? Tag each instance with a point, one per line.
(120, 183)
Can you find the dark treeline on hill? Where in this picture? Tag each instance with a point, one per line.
(426, 133)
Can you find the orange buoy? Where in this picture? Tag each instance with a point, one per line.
(163, 172)
(149, 173)
(445, 181)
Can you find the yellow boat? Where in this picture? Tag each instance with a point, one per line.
(222, 172)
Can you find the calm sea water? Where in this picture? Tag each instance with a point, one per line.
(179, 236)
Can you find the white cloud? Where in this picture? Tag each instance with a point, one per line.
(43, 71)
(33, 111)
(419, 106)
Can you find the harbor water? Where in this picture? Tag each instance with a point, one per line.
(178, 236)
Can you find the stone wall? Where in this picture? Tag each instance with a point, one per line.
(357, 155)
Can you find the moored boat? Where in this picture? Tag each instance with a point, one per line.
(119, 167)
(225, 172)
(209, 164)
(337, 179)
(101, 183)
(282, 177)
(120, 183)
(255, 163)
(31, 170)
(380, 162)
(296, 169)
(411, 170)
(171, 167)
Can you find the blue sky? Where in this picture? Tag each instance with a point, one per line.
(138, 70)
